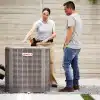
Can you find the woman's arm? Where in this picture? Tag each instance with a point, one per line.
(53, 31)
(30, 32)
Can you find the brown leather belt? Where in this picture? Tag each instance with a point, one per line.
(51, 40)
(34, 41)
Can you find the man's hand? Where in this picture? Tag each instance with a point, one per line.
(68, 35)
(64, 46)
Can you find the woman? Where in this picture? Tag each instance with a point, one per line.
(45, 29)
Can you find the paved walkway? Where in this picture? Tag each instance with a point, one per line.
(88, 86)
(23, 96)
(96, 97)
(40, 97)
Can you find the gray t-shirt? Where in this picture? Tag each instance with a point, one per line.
(44, 30)
(75, 21)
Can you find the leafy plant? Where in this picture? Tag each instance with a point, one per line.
(87, 97)
(93, 1)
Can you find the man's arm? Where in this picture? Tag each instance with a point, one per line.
(68, 36)
(70, 29)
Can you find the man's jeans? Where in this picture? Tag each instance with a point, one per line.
(71, 61)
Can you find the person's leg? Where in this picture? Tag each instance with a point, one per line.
(67, 61)
(69, 54)
(53, 80)
(52, 76)
(75, 68)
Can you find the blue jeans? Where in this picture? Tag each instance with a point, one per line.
(71, 62)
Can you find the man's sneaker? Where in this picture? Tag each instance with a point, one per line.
(76, 87)
(67, 89)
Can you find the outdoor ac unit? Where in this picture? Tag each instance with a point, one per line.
(27, 69)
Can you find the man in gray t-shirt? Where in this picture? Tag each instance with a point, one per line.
(74, 21)
(72, 47)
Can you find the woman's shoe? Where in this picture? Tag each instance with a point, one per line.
(54, 85)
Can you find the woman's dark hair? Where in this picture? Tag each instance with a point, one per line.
(69, 4)
(47, 9)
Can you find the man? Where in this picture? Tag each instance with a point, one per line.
(72, 47)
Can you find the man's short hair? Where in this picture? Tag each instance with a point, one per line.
(69, 4)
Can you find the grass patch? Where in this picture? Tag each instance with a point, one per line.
(86, 97)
